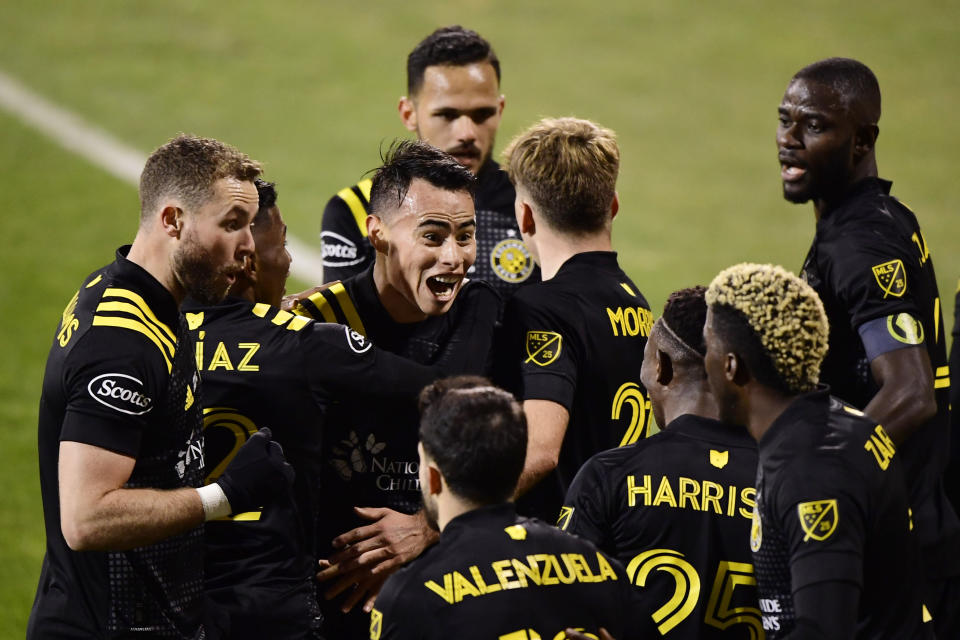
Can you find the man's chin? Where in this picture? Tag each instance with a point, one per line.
(796, 196)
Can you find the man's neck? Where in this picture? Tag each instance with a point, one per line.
(450, 506)
(866, 169)
(554, 248)
(765, 405)
(152, 255)
(397, 306)
(692, 398)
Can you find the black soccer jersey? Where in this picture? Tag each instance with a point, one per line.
(496, 575)
(869, 262)
(577, 340)
(121, 376)
(952, 477)
(832, 506)
(683, 499)
(503, 260)
(370, 447)
(265, 367)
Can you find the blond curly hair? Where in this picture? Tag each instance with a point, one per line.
(785, 314)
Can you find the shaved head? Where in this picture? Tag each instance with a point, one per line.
(854, 83)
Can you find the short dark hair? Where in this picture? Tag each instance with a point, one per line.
(406, 160)
(685, 312)
(186, 167)
(477, 435)
(852, 80)
(452, 46)
(267, 192)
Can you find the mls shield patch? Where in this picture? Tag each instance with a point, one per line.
(376, 624)
(818, 519)
(892, 278)
(543, 347)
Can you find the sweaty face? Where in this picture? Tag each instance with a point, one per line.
(458, 110)
(715, 362)
(815, 142)
(648, 378)
(430, 245)
(215, 239)
(272, 259)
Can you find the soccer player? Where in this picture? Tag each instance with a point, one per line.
(493, 574)
(571, 344)
(453, 102)
(872, 269)
(265, 366)
(833, 549)
(952, 478)
(120, 443)
(414, 301)
(682, 498)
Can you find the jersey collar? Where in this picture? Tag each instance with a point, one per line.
(711, 430)
(157, 297)
(799, 421)
(491, 516)
(590, 259)
(871, 185)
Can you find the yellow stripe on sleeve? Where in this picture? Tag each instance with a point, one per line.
(137, 300)
(126, 307)
(943, 371)
(350, 311)
(940, 383)
(133, 325)
(356, 208)
(281, 317)
(364, 186)
(323, 306)
(260, 309)
(298, 322)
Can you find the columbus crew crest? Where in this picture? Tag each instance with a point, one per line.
(892, 278)
(511, 260)
(543, 347)
(905, 328)
(818, 519)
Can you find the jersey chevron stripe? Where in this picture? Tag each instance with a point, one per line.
(941, 383)
(321, 305)
(260, 309)
(365, 186)
(298, 322)
(136, 299)
(350, 311)
(126, 307)
(133, 325)
(356, 208)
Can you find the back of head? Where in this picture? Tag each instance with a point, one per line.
(679, 330)
(186, 168)
(569, 168)
(451, 46)
(775, 321)
(267, 194)
(408, 160)
(477, 435)
(852, 80)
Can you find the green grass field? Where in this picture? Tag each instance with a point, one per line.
(311, 89)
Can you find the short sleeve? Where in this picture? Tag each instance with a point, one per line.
(822, 514)
(584, 511)
(542, 349)
(339, 360)
(872, 275)
(392, 619)
(346, 251)
(113, 380)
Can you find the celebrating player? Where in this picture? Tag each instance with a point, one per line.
(265, 366)
(416, 302)
(453, 102)
(493, 574)
(831, 537)
(682, 498)
(571, 343)
(872, 269)
(121, 451)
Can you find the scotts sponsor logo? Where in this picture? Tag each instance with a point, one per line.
(121, 393)
(339, 251)
(357, 341)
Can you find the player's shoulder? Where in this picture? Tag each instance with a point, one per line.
(354, 193)
(478, 292)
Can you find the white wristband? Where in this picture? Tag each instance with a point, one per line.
(214, 500)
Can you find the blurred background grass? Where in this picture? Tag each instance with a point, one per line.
(311, 89)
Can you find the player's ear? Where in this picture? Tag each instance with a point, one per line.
(408, 113)
(864, 140)
(736, 370)
(171, 219)
(434, 479)
(525, 219)
(377, 233)
(664, 368)
(615, 205)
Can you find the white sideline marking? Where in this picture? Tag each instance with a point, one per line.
(113, 156)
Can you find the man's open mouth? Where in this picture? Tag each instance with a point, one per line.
(443, 287)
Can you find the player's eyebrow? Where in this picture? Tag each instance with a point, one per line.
(433, 222)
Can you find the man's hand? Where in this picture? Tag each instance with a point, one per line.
(256, 474)
(367, 555)
(288, 303)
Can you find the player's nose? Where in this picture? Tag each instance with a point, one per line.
(465, 129)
